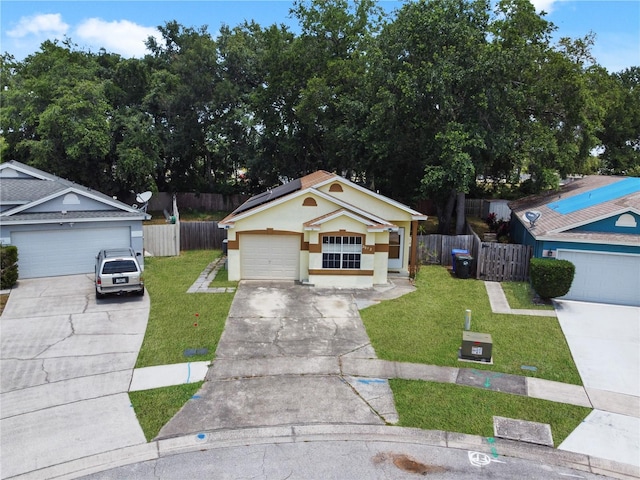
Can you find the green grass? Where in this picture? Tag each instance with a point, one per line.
(478, 225)
(155, 408)
(3, 301)
(179, 320)
(520, 296)
(194, 215)
(222, 279)
(456, 408)
(426, 327)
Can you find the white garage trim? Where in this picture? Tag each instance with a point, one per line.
(265, 257)
(47, 253)
(604, 277)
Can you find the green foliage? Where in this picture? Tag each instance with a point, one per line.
(551, 278)
(8, 266)
(415, 103)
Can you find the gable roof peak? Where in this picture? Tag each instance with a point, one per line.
(315, 178)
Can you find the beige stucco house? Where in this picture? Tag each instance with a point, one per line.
(324, 230)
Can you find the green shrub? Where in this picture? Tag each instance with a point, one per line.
(8, 266)
(551, 278)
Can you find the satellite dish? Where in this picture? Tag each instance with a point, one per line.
(532, 217)
(143, 198)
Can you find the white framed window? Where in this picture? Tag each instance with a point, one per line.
(341, 252)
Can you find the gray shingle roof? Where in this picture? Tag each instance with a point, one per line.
(23, 191)
(20, 190)
(72, 216)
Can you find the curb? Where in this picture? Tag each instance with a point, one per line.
(197, 441)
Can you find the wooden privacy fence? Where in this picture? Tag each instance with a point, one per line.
(496, 262)
(437, 248)
(203, 201)
(201, 236)
(503, 262)
(162, 240)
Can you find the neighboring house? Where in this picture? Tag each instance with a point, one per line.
(593, 222)
(59, 226)
(321, 229)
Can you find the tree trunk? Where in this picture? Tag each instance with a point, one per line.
(444, 216)
(460, 213)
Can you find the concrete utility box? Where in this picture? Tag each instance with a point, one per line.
(476, 346)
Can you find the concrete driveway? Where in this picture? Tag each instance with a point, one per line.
(278, 363)
(66, 361)
(605, 343)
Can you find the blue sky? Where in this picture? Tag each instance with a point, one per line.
(122, 26)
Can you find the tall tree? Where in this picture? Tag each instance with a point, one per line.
(56, 115)
(432, 92)
(620, 132)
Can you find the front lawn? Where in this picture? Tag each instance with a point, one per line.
(178, 320)
(457, 408)
(426, 327)
(154, 408)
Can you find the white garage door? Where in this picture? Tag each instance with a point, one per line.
(269, 257)
(604, 277)
(47, 253)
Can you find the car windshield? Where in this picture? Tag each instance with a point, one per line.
(119, 266)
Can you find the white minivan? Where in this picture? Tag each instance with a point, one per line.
(118, 272)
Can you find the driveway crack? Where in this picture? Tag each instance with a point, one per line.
(46, 373)
(59, 341)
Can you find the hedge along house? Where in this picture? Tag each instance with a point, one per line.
(324, 230)
(59, 226)
(593, 222)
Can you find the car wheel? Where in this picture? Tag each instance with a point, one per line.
(141, 293)
(99, 295)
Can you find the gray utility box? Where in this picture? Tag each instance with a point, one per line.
(476, 346)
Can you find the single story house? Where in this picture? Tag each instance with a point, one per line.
(321, 229)
(59, 226)
(594, 222)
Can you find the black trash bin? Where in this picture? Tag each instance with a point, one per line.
(454, 252)
(463, 265)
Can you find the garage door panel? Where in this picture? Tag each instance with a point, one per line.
(604, 277)
(46, 253)
(265, 257)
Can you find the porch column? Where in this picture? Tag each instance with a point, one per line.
(413, 259)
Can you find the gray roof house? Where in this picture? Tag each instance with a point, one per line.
(58, 225)
(593, 222)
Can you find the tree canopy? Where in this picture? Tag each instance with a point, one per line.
(418, 103)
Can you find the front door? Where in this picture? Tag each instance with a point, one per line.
(396, 249)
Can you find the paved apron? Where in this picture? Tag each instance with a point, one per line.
(278, 363)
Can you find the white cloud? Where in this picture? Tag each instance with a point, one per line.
(41, 25)
(123, 37)
(546, 5)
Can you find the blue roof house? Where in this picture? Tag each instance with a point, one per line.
(58, 225)
(594, 222)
